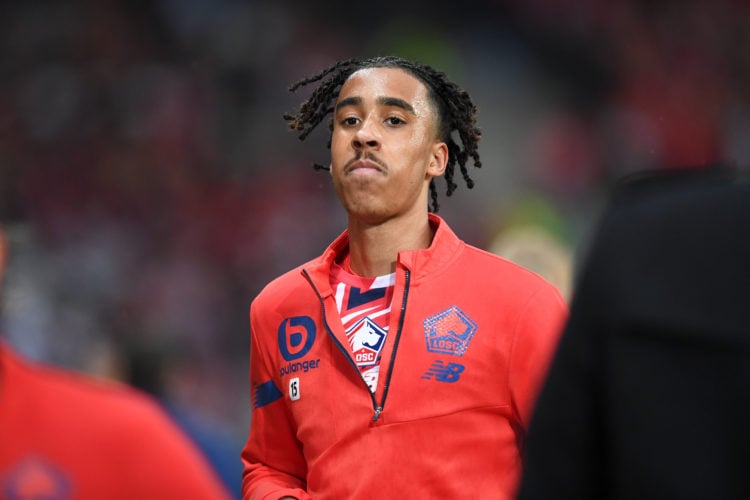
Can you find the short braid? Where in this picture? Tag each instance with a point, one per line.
(455, 109)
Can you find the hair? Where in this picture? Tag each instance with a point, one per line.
(455, 110)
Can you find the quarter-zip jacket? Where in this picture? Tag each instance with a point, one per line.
(469, 343)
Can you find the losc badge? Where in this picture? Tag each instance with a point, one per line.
(449, 332)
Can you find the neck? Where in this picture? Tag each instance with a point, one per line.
(374, 248)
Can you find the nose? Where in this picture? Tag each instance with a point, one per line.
(366, 136)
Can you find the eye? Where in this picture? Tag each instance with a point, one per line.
(394, 120)
(349, 121)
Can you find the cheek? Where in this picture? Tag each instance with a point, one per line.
(419, 152)
(419, 141)
(339, 141)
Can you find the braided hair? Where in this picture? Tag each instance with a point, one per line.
(455, 110)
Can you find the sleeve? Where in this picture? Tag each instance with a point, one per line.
(535, 340)
(274, 465)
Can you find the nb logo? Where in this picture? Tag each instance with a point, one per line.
(443, 373)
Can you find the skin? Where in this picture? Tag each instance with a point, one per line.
(384, 152)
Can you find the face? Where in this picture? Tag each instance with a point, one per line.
(384, 146)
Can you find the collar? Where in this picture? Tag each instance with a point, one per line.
(421, 263)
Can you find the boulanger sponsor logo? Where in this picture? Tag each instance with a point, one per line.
(366, 339)
(449, 332)
(296, 337)
(442, 372)
(299, 366)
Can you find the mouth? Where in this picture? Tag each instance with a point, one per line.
(364, 166)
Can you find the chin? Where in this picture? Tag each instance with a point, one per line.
(368, 214)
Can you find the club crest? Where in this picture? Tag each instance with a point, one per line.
(366, 339)
(449, 332)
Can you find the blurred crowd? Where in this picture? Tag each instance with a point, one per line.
(152, 188)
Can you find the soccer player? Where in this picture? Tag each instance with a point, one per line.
(67, 435)
(402, 361)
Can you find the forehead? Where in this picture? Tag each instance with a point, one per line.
(381, 82)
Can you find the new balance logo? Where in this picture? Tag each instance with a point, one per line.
(442, 372)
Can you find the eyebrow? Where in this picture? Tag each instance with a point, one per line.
(382, 101)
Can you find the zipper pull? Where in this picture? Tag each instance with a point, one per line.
(376, 416)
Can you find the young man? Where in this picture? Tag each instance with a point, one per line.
(402, 361)
(67, 435)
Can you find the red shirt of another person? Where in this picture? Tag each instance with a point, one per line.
(64, 435)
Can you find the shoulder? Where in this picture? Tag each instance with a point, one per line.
(699, 198)
(478, 264)
(83, 421)
(102, 402)
(674, 218)
(288, 284)
(105, 409)
(492, 268)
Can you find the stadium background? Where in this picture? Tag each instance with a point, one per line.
(153, 188)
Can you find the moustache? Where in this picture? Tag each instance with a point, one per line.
(366, 156)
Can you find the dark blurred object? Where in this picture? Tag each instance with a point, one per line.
(652, 182)
(649, 395)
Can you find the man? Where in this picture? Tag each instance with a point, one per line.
(649, 394)
(65, 435)
(402, 361)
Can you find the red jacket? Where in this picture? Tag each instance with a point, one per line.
(63, 435)
(469, 343)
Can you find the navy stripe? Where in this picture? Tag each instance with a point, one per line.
(357, 298)
(266, 393)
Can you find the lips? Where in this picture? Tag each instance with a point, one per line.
(364, 165)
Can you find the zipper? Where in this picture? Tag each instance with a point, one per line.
(387, 384)
(378, 408)
(338, 344)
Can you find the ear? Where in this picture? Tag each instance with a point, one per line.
(438, 160)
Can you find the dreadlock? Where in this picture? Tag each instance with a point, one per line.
(455, 109)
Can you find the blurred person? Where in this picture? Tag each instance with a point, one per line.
(69, 435)
(533, 236)
(534, 248)
(649, 393)
(402, 361)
